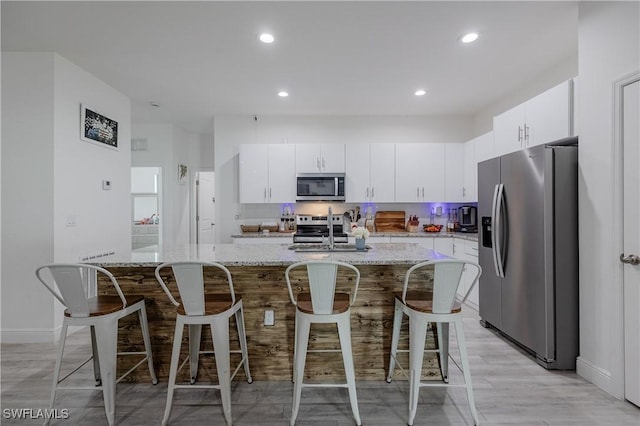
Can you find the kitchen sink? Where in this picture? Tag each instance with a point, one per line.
(319, 248)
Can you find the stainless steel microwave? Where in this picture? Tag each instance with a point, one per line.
(320, 187)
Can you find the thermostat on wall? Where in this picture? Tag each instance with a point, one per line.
(106, 185)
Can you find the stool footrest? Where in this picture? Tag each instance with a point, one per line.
(324, 385)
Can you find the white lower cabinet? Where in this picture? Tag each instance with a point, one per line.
(443, 245)
(467, 250)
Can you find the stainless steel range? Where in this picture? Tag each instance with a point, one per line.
(315, 229)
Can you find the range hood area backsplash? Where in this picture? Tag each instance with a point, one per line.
(258, 213)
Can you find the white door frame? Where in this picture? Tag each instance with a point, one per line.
(617, 326)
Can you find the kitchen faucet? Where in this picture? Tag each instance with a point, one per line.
(330, 225)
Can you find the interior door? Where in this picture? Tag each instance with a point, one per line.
(205, 208)
(631, 240)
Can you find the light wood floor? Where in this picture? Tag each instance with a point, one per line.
(510, 389)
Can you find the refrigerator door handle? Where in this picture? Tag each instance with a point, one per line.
(494, 203)
(496, 236)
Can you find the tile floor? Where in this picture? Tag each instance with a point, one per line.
(510, 389)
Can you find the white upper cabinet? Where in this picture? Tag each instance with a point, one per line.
(549, 115)
(484, 147)
(267, 173)
(454, 157)
(470, 190)
(544, 118)
(420, 172)
(370, 173)
(320, 158)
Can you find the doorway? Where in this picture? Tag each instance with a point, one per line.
(146, 208)
(205, 208)
(627, 143)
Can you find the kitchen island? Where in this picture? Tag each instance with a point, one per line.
(258, 275)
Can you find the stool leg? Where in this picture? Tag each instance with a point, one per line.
(56, 370)
(465, 369)
(144, 325)
(397, 324)
(443, 348)
(173, 369)
(96, 357)
(242, 336)
(107, 338)
(303, 325)
(195, 333)
(344, 332)
(417, 336)
(220, 336)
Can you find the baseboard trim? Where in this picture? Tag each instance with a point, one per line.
(596, 375)
(31, 335)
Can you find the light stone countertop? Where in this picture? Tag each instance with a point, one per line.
(270, 255)
(420, 234)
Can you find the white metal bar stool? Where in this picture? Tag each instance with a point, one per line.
(433, 306)
(196, 309)
(101, 313)
(321, 304)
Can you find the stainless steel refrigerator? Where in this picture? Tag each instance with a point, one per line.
(528, 249)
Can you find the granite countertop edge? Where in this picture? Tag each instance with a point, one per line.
(465, 236)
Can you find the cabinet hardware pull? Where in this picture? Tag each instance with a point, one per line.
(519, 134)
(373, 192)
(318, 163)
(526, 135)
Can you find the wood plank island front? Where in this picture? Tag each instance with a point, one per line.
(258, 276)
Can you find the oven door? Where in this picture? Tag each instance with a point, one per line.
(320, 187)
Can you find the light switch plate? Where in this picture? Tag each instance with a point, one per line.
(269, 317)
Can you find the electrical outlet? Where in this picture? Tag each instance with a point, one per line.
(269, 317)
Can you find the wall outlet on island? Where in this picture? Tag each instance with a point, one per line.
(269, 317)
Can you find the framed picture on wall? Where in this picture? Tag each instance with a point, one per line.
(182, 174)
(98, 129)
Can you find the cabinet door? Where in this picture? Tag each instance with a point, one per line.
(549, 115)
(443, 245)
(382, 172)
(253, 173)
(484, 146)
(455, 162)
(433, 159)
(332, 158)
(470, 191)
(308, 158)
(282, 174)
(508, 130)
(357, 188)
(410, 165)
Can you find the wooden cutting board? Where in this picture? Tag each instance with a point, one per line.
(390, 221)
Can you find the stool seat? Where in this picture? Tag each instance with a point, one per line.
(341, 303)
(214, 304)
(105, 305)
(422, 301)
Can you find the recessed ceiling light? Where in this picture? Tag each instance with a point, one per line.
(420, 92)
(266, 38)
(469, 38)
(154, 104)
(283, 94)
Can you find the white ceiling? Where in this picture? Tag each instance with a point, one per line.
(197, 59)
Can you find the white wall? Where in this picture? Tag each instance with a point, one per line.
(103, 216)
(608, 49)
(232, 130)
(48, 173)
(27, 193)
